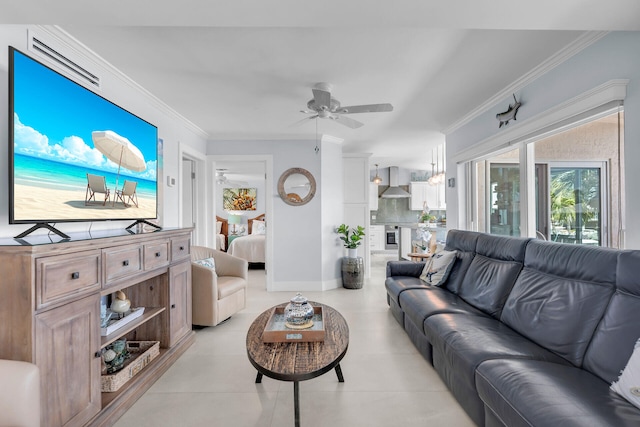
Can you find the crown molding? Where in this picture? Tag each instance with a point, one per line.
(582, 42)
(78, 49)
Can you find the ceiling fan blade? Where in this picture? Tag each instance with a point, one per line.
(353, 124)
(371, 108)
(300, 122)
(322, 98)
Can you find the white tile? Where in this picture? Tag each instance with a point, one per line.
(387, 381)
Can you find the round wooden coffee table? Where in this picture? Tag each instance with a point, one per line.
(299, 361)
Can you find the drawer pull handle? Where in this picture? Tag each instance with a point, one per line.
(75, 275)
(182, 248)
(157, 254)
(173, 306)
(125, 262)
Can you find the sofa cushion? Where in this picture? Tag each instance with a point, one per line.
(437, 269)
(560, 309)
(613, 341)
(420, 303)
(493, 271)
(466, 341)
(537, 393)
(464, 243)
(398, 284)
(487, 283)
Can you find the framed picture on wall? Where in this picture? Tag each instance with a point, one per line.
(239, 199)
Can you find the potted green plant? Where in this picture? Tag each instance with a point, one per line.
(352, 265)
(352, 237)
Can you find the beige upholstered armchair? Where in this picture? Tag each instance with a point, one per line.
(19, 394)
(219, 294)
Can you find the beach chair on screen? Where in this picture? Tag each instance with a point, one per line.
(128, 192)
(96, 184)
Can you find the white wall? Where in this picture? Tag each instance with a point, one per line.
(172, 128)
(300, 232)
(613, 57)
(332, 217)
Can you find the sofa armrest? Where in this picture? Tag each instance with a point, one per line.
(20, 394)
(405, 268)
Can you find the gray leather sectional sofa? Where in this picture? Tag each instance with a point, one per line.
(526, 332)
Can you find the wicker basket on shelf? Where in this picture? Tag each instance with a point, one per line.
(142, 353)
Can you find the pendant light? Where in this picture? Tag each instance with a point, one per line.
(431, 179)
(376, 179)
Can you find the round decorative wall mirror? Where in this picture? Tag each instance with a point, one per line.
(296, 186)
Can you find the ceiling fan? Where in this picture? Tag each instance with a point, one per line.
(221, 179)
(324, 106)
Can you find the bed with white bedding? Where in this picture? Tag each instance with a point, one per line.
(252, 246)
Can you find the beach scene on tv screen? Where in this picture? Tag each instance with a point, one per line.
(77, 156)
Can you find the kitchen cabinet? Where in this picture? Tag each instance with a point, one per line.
(376, 237)
(432, 194)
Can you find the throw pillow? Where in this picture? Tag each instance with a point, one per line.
(258, 227)
(218, 227)
(207, 262)
(628, 385)
(437, 269)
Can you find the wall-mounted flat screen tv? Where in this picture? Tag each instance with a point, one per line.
(74, 155)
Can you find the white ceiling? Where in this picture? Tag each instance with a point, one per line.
(244, 69)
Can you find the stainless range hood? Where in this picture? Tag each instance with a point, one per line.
(394, 192)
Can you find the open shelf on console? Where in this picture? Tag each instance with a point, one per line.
(149, 313)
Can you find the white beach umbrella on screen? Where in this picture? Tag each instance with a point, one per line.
(119, 150)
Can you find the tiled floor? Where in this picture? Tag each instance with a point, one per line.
(387, 382)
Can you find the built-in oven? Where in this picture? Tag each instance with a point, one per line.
(391, 237)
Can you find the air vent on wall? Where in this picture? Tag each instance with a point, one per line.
(69, 66)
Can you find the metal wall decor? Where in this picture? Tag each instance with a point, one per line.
(510, 114)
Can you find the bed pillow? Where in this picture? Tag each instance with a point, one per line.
(207, 262)
(628, 384)
(218, 227)
(258, 227)
(437, 269)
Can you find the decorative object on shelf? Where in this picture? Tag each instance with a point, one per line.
(376, 179)
(114, 356)
(298, 314)
(120, 303)
(510, 114)
(112, 321)
(296, 186)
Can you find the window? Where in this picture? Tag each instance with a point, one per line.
(563, 184)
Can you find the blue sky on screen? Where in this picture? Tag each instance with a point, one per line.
(54, 118)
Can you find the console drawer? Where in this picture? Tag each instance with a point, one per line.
(121, 262)
(156, 255)
(180, 248)
(62, 277)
